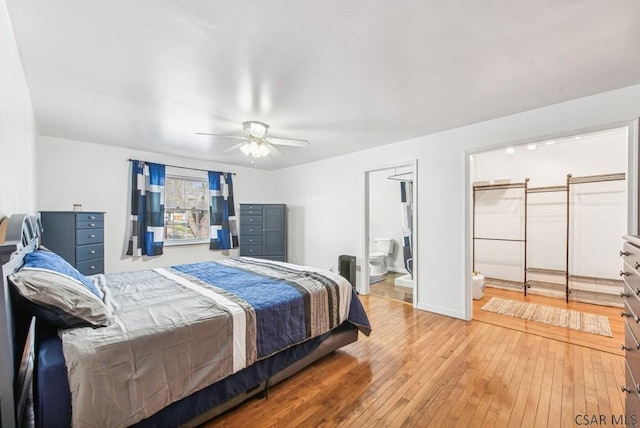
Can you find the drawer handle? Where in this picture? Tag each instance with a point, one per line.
(92, 236)
(623, 294)
(92, 267)
(625, 389)
(251, 251)
(625, 314)
(637, 291)
(636, 265)
(94, 251)
(250, 240)
(624, 253)
(250, 219)
(625, 348)
(623, 273)
(92, 217)
(94, 225)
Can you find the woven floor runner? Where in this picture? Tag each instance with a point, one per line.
(575, 320)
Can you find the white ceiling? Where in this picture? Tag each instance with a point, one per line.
(346, 75)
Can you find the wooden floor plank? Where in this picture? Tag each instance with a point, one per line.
(422, 369)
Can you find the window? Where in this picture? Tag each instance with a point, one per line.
(186, 210)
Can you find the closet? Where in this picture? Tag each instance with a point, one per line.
(526, 190)
(546, 217)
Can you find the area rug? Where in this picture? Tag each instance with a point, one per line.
(575, 320)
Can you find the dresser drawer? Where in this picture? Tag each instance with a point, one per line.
(249, 220)
(89, 252)
(250, 230)
(633, 319)
(631, 255)
(632, 409)
(251, 250)
(632, 351)
(89, 225)
(89, 236)
(250, 239)
(251, 209)
(91, 267)
(89, 217)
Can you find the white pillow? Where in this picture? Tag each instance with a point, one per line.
(59, 299)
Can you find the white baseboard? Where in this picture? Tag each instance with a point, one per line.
(441, 311)
(397, 270)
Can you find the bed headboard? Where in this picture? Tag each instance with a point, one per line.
(16, 325)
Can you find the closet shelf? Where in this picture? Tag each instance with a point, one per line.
(596, 178)
(546, 271)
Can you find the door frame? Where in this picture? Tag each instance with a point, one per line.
(364, 269)
(633, 187)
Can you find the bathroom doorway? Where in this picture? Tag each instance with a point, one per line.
(390, 231)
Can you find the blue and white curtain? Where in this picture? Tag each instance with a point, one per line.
(406, 213)
(147, 209)
(223, 228)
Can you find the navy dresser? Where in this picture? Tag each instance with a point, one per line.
(263, 231)
(77, 236)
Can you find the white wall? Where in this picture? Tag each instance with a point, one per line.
(327, 195)
(598, 211)
(18, 132)
(98, 176)
(384, 215)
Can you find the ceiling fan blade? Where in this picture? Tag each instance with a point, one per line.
(295, 142)
(222, 135)
(273, 150)
(235, 146)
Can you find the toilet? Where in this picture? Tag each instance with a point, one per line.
(382, 247)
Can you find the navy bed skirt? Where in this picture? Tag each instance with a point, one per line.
(52, 398)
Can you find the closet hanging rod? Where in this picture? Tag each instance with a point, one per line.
(499, 186)
(596, 178)
(547, 189)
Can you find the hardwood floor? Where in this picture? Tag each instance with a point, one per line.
(602, 343)
(422, 369)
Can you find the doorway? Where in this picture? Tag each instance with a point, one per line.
(545, 225)
(389, 267)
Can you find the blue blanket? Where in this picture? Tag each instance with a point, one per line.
(282, 305)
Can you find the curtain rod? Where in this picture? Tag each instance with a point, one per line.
(181, 167)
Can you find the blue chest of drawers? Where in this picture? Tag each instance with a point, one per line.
(77, 236)
(263, 231)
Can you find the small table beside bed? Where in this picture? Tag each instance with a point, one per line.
(174, 346)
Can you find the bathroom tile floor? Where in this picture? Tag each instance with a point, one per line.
(387, 288)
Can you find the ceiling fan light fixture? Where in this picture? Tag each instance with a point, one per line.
(255, 149)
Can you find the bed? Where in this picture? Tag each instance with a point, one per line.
(181, 345)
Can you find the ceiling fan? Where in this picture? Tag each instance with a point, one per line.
(257, 142)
